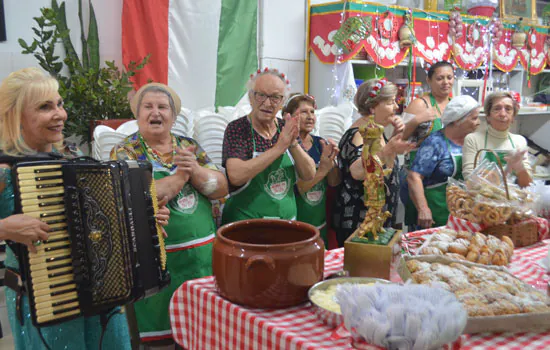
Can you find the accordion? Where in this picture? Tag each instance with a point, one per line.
(105, 247)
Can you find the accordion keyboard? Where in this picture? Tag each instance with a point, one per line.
(51, 269)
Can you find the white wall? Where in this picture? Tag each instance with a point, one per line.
(281, 44)
(282, 38)
(19, 23)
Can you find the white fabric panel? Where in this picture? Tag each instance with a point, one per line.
(193, 28)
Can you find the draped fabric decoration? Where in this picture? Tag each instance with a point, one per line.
(184, 38)
(431, 30)
(534, 51)
(471, 50)
(432, 39)
(505, 57)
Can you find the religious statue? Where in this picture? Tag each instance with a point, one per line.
(374, 186)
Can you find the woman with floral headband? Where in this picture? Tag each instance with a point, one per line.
(261, 156)
(374, 97)
(311, 195)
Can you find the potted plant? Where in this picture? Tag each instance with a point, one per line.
(90, 91)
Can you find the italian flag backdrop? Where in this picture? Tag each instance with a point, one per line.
(205, 50)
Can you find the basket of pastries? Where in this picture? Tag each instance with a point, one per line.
(467, 246)
(486, 198)
(494, 299)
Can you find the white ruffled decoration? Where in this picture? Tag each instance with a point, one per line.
(401, 317)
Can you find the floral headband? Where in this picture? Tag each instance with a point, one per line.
(377, 87)
(273, 71)
(301, 95)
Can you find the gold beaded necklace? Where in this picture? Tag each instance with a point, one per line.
(156, 155)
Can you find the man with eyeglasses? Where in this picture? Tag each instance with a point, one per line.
(500, 109)
(260, 156)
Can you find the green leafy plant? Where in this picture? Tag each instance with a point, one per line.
(90, 91)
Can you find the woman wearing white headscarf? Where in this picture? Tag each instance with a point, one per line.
(438, 158)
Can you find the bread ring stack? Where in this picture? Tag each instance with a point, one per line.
(474, 247)
(473, 207)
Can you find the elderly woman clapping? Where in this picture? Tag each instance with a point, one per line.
(501, 110)
(439, 158)
(262, 156)
(189, 180)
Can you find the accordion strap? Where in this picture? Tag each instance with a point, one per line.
(12, 280)
(6, 159)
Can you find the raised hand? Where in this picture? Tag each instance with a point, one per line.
(514, 160)
(24, 229)
(398, 146)
(328, 154)
(398, 125)
(426, 116)
(290, 131)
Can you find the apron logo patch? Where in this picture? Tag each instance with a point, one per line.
(187, 200)
(315, 195)
(277, 184)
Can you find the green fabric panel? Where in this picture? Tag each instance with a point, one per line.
(237, 54)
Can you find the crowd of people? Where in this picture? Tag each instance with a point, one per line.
(274, 168)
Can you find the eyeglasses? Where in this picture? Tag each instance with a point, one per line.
(260, 97)
(507, 109)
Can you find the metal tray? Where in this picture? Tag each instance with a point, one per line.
(330, 318)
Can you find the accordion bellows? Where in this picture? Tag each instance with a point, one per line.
(105, 247)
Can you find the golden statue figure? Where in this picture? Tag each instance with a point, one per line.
(374, 186)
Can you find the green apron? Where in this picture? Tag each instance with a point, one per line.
(270, 194)
(311, 207)
(190, 232)
(501, 154)
(436, 194)
(411, 214)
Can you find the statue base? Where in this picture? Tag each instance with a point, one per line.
(383, 238)
(365, 257)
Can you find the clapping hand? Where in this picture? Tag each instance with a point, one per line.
(290, 131)
(186, 162)
(24, 229)
(328, 154)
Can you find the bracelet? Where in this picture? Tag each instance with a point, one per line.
(293, 145)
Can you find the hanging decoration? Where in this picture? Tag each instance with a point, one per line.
(339, 31)
(471, 52)
(352, 31)
(519, 36)
(387, 25)
(430, 47)
(505, 56)
(455, 25)
(406, 32)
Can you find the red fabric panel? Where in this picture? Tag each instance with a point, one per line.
(144, 31)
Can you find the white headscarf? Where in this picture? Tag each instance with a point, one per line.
(458, 108)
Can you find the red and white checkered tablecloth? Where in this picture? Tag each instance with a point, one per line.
(201, 319)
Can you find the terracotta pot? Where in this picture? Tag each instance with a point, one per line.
(267, 263)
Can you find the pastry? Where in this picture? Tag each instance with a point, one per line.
(430, 251)
(458, 248)
(456, 256)
(465, 235)
(499, 258)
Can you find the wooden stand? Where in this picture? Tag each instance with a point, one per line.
(363, 259)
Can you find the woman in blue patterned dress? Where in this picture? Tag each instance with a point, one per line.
(438, 158)
(31, 120)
